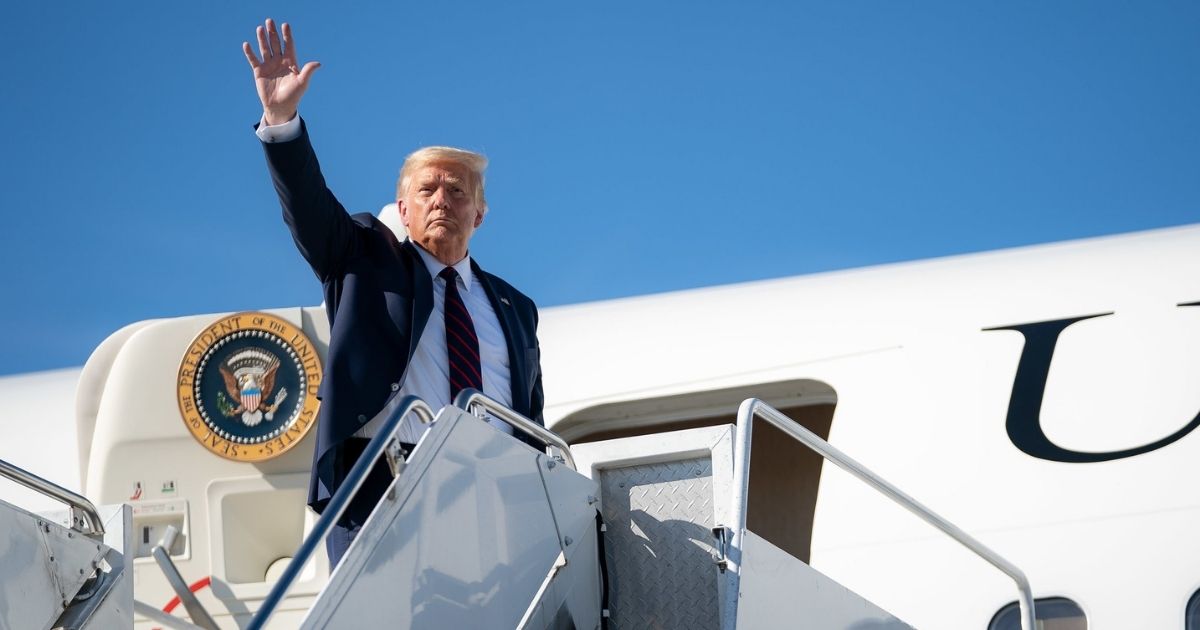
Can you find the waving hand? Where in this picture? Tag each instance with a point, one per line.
(280, 80)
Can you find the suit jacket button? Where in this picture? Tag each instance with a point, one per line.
(395, 387)
(361, 418)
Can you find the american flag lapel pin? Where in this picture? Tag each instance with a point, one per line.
(504, 301)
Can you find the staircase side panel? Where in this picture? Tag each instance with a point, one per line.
(779, 591)
(465, 543)
(42, 566)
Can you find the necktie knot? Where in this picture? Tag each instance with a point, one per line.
(449, 274)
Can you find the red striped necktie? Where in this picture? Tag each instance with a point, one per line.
(462, 345)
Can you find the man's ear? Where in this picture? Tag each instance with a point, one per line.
(403, 209)
(479, 216)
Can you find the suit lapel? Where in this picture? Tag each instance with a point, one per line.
(422, 303)
(516, 356)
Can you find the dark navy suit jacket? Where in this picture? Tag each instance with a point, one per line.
(379, 296)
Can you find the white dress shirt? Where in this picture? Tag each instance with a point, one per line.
(282, 132)
(428, 375)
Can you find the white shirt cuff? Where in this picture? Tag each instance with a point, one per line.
(282, 132)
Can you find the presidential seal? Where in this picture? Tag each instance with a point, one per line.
(247, 387)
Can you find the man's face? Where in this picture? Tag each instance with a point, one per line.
(439, 210)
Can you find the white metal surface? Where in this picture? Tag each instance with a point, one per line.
(920, 390)
(753, 409)
(467, 540)
(136, 449)
(82, 516)
(574, 593)
(476, 402)
(383, 444)
(160, 617)
(779, 591)
(42, 567)
(111, 604)
(659, 544)
(575, 589)
(660, 495)
(36, 411)
(47, 569)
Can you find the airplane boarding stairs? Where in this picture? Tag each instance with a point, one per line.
(64, 569)
(478, 530)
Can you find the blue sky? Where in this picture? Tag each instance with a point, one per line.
(636, 147)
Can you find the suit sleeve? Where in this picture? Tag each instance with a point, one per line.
(324, 233)
(537, 398)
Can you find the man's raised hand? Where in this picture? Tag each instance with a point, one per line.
(280, 80)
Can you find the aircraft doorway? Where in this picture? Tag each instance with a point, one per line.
(784, 475)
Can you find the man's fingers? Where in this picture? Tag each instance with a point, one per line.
(289, 46)
(307, 71)
(263, 48)
(273, 38)
(250, 55)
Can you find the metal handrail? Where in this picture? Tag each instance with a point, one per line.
(55, 491)
(469, 397)
(754, 407)
(162, 555)
(395, 413)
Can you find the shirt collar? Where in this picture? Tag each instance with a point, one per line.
(435, 266)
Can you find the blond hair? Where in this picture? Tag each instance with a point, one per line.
(475, 163)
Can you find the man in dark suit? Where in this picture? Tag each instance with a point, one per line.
(417, 316)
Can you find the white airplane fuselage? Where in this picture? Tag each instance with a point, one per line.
(1043, 399)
